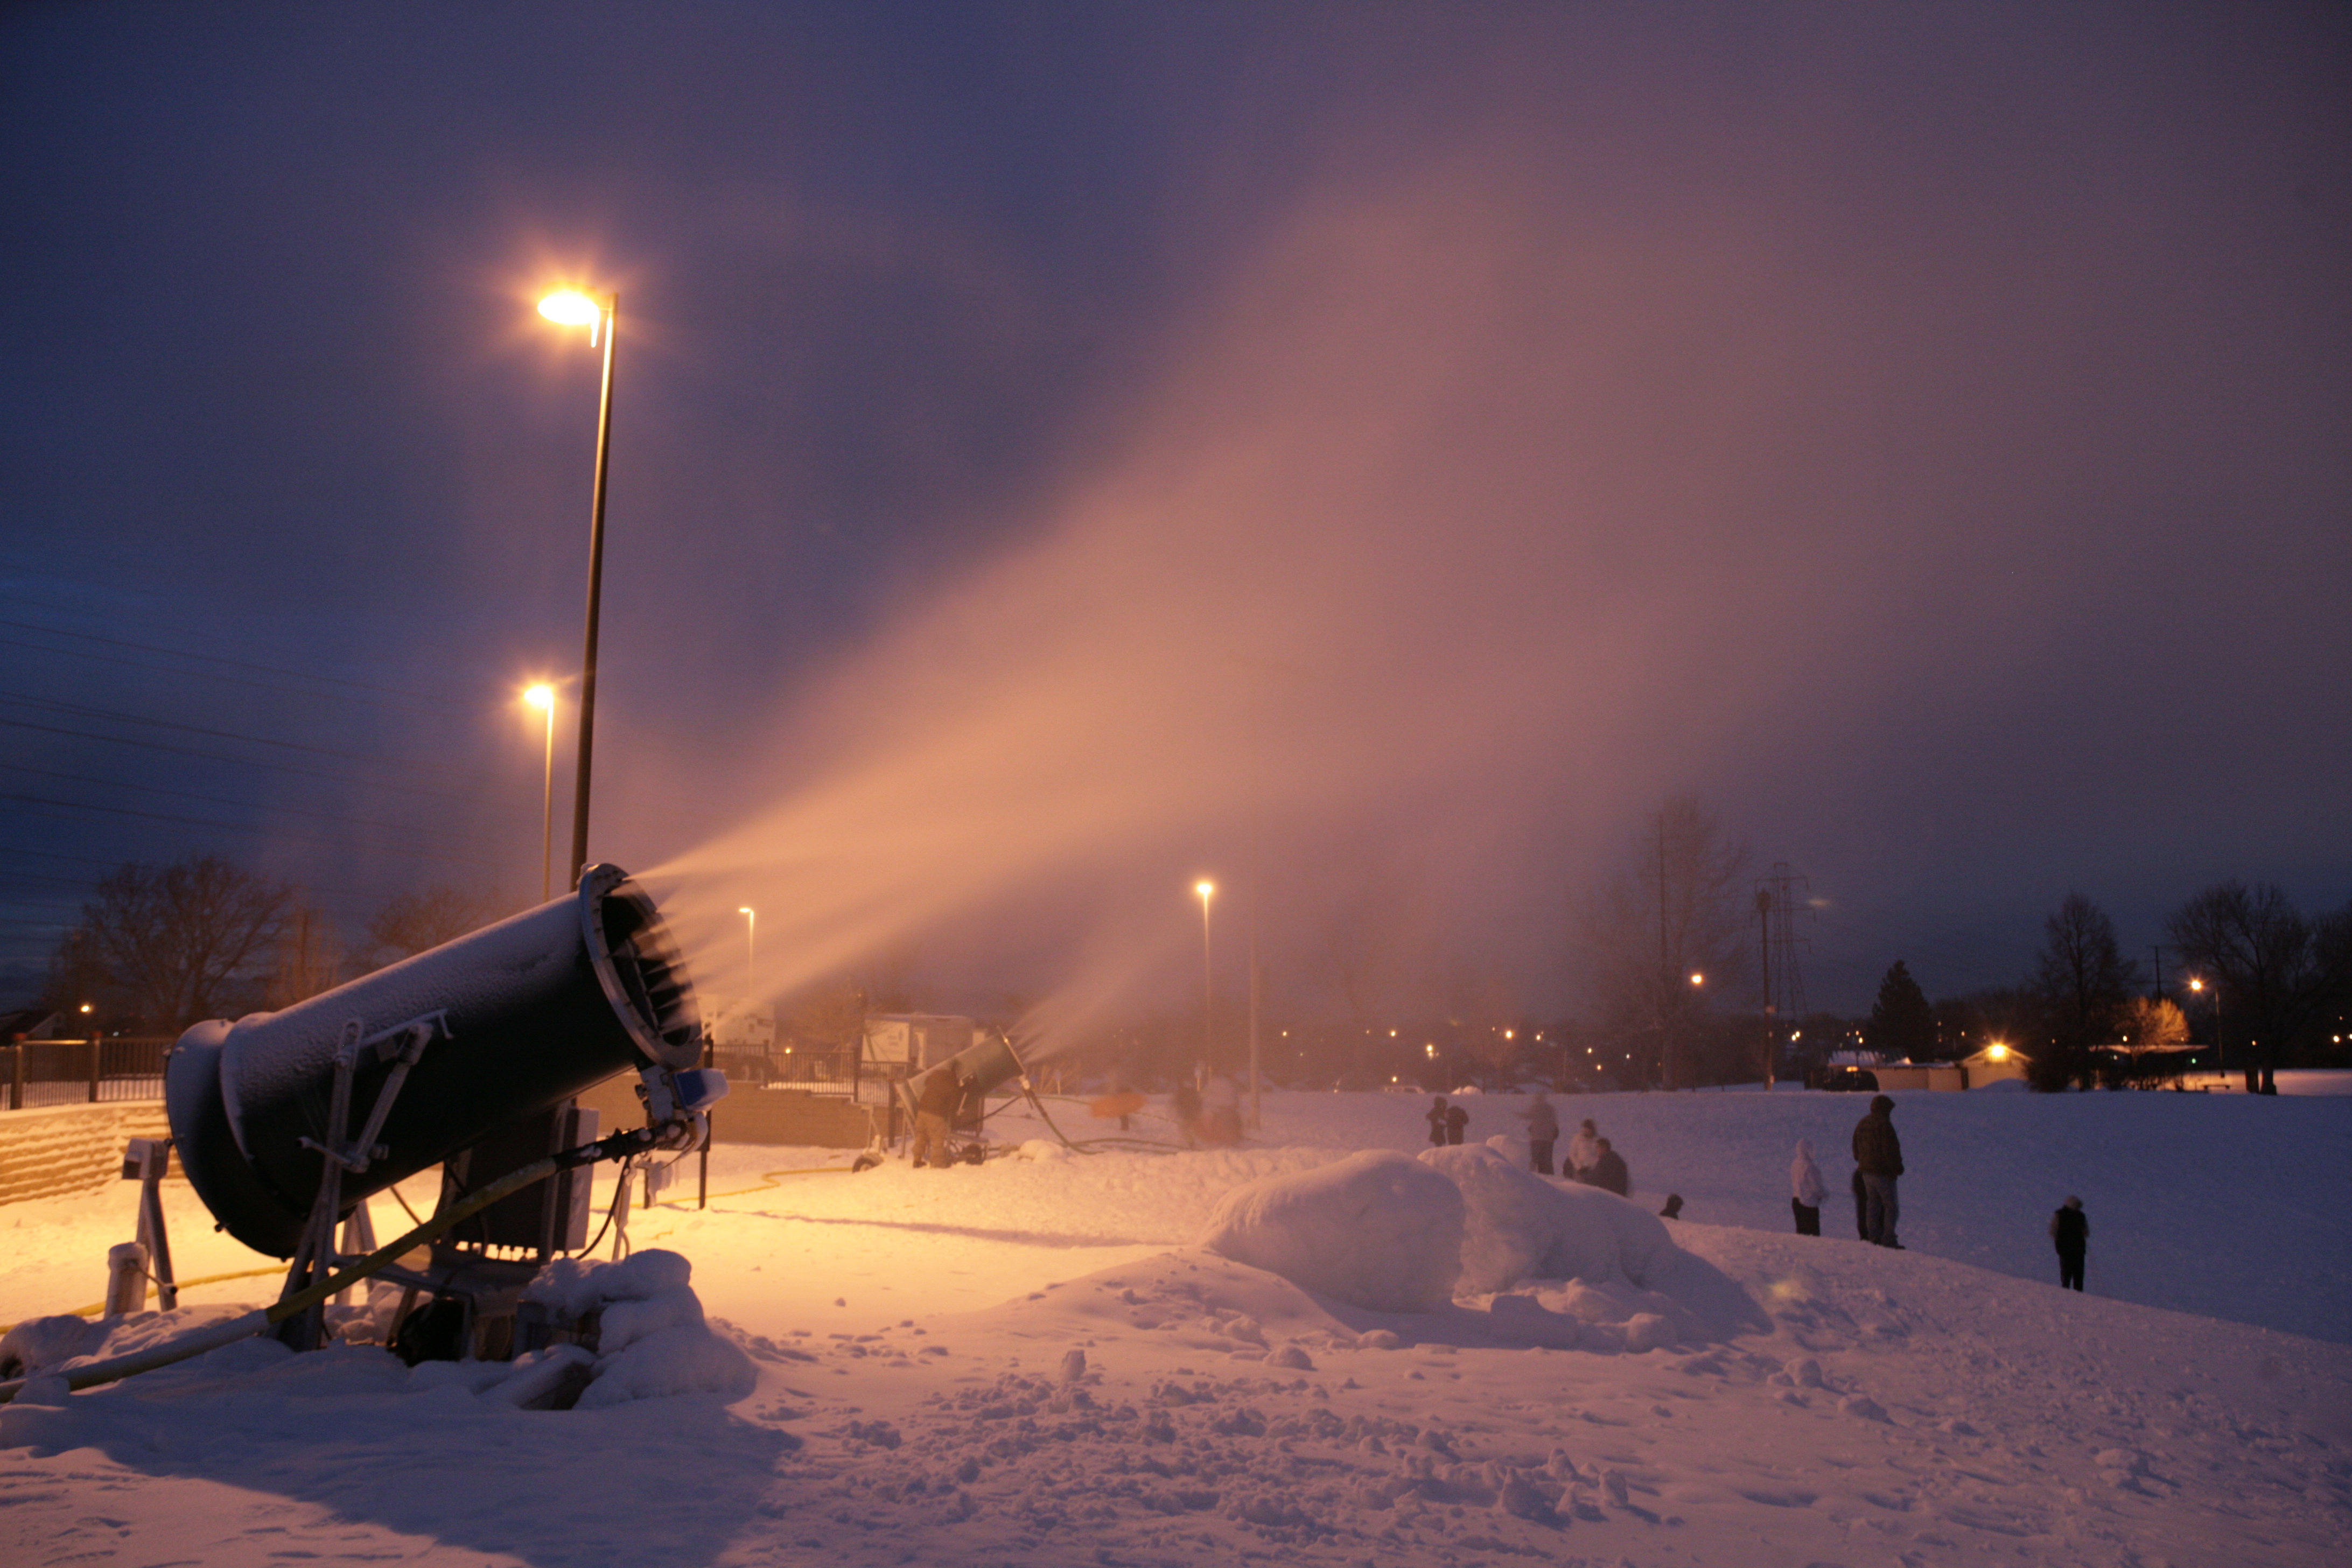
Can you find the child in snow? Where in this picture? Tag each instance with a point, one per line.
(1583, 1150)
(1805, 1189)
(2070, 1230)
(1436, 1119)
(1457, 1122)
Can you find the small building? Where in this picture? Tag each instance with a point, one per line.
(1920, 1075)
(1993, 1064)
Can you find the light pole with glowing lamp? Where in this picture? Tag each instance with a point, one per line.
(751, 951)
(570, 308)
(2221, 1071)
(542, 696)
(1207, 891)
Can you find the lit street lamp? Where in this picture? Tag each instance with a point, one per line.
(1208, 971)
(570, 308)
(750, 949)
(542, 696)
(2199, 986)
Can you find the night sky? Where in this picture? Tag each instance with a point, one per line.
(1366, 453)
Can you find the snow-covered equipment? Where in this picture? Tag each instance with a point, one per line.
(469, 1057)
(436, 1052)
(986, 1065)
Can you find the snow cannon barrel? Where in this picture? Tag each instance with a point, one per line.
(982, 1066)
(495, 1025)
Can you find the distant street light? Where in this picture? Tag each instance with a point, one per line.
(1698, 979)
(1207, 891)
(570, 308)
(542, 696)
(2219, 1066)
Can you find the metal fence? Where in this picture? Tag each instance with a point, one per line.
(35, 1073)
(820, 1069)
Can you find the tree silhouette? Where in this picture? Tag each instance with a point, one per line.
(1901, 1022)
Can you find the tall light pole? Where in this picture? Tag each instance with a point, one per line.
(751, 951)
(570, 308)
(2219, 1069)
(1207, 891)
(542, 696)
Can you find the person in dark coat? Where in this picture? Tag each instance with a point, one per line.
(1457, 1122)
(1609, 1171)
(2070, 1230)
(1878, 1156)
(1543, 1131)
(935, 1111)
(1674, 1210)
(1437, 1122)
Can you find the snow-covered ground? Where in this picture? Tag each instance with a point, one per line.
(916, 1400)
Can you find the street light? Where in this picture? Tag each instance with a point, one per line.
(1207, 891)
(750, 949)
(542, 696)
(570, 308)
(2219, 1067)
(1698, 979)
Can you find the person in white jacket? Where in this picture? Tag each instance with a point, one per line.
(1805, 1189)
(1584, 1150)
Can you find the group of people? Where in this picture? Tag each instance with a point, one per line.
(1878, 1166)
(1590, 1160)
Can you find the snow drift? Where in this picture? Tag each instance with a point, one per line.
(1373, 1229)
(1380, 1231)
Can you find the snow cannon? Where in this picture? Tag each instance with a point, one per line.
(410, 1065)
(981, 1067)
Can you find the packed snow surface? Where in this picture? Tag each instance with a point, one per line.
(1033, 1362)
(1372, 1230)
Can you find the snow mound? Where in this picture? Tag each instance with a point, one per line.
(652, 1339)
(1517, 1227)
(1374, 1229)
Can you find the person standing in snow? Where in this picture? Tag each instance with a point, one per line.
(1860, 1208)
(1583, 1150)
(1543, 1131)
(1609, 1171)
(934, 1115)
(1221, 1112)
(1457, 1122)
(1185, 1105)
(1436, 1119)
(2070, 1230)
(1805, 1189)
(1878, 1155)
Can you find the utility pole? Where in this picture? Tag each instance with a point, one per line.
(1776, 894)
(1669, 1068)
(1764, 967)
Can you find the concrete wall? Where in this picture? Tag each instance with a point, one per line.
(48, 1152)
(752, 1115)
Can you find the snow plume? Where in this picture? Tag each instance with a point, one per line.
(1375, 592)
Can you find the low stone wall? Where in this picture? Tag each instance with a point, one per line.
(63, 1148)
(749, 1115)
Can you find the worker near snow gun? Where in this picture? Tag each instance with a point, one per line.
(935, 1114)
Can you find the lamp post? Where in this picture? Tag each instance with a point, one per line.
(570, 308)
(751, 951)
(2220, 1069)
(542, 696)
(1208, 972)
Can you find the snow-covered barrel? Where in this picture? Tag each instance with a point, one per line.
(511, 1018)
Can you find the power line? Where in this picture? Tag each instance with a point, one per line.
(212, 799)
(78, 710)
(232, 663)
(225, 757)
(39, 800)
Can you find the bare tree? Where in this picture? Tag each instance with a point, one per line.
(181, 943)
(410, 924)
(2276, 970)
(1675, 910)
(2085, 983)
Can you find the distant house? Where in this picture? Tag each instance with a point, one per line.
(31, 1024)
(1993, 1064)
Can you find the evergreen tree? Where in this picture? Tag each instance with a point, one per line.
(1901, 1022)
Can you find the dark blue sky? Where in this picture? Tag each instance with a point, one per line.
(1921, 433)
